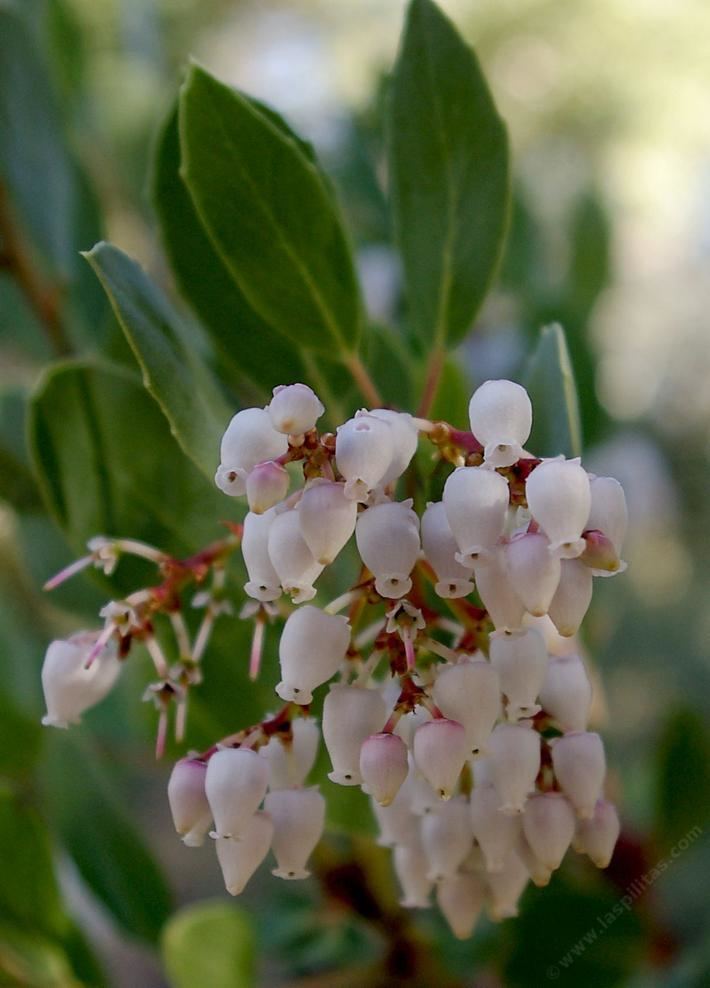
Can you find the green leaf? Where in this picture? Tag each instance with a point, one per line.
(172, 371)
(213, 944)
(553, 392)
(270, 215)
(31, 961)
(449, 174)
(17, 484)
(20, 739)
(682, 777)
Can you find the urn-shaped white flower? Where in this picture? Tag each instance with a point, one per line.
(294, 409)
(250, 438)
(566, 692)
(476, 503)
(446, 837)
(397, 823)
(534, 572)
(500, 414)
(549, 824)
(469, 692)
(190, 810)
(460, 898)
(291, 558)
(405, 438)
(597, 835)
(580, 767)
(410, 866)
(69, 687)
(504, 607)
(418, 791)
(495, 831)
(263, 581)
(235, 784)
(298, 816)
(363, 452)
(608, 512)
(266, 485)
(520, 659)
(312, 648)
(440, 750)
(559, 499)
(350, 715)
(506, 886)
(383, 766)
(440, 549)
(572, 597)
(514, 755)
(387, 538)
(290, 763)
(327, 519)
(239, 859)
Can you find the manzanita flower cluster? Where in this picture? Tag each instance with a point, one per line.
(458, 698)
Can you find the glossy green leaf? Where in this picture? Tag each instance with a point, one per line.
(28, 960)
(550, 382)
(682, 787)
(270, 215)
(213, 944)
(17, 484)
(449, 174)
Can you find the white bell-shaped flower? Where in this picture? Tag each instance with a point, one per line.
(566, 692)
(534, 573)
(559, 499)
(250, 438)
(239, 859)
(580, 767)
(312, 648)
(350, 715)
(397, 823)
(419, 793)
(410, 866)
(505, 888)
(548, 824)
(482, 772)
(460, 899)
(290, 763)
(520, 659)
(469, 692)
(294, 409)
(327, 519)
(597, 835)
(555, 644)
(263, 581)
(572, 597)
(600, 555)
(384, 766)
(291, 558)
(539, 873)
(476, 504)
(608, 512)
(405, 438)
(504, 607)
(495, 831)
(235, 784)
(446, 838)
(298, 816)
(266, 485)
(440, 750)
(190, 810)
(500, 414)
(387, 538)
(364, 448)
(514, 755)
(69, 687)
(409, 722)
(440, 548)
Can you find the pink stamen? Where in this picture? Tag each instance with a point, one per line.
(257, 645)
(66, 574)
(162, 734)
(101, 641)
(409, 650)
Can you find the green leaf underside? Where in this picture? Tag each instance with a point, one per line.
(449, 173)
(550, 382)
(212, 943)
(270, 215)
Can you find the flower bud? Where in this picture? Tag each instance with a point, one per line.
(469, 692)
(495, 831)
(559, 500)
(537, 869)
(350, 714)
(554, 642)
(397, 823)
(188, 803)
(405, 439)
(291, 558)
(239, 859)
(514, 754)
(494, 588)
(505, 888)
(387, 538)
(69, 687)
(460, 898)
(549, 824)
(420, 795)
(312, 647)
(501, 419)
(263, 579)
(411, 869)
(235, 784)
(580, 767)
(440, 750)
(566, 693)
(383, 766)
(600, 555)
(327, 519)
(409, 722)
(597, 836)
(294, 409)
(440, 548)
(572, 597)
(446, 838)
(520, 659)
(533, 572)
(290, 763)
(363, 452)
(476, 504)
(608, 512)
(266, 485)
(298, 816)
(250, 438)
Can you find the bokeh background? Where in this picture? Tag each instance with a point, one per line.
(606, 104)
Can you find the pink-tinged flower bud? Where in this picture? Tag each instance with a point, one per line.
(266, 485)
(495, 831)
(190, 810)
(350, 714)
(263, 579)
(539, 873)
(397, 823)
(250, 438)
(597, 836)
(383, 766)
(580, 767)
(566, 693)
(410, 866)
(298, 816)
(533, 572)
(476, 504)
(387, 538)
(520, 659)
(312, 648)
(559, 499)
(600, 555)
(239, 859)
(364, 448)
(608, 511)
(501, 419)
(294, 409)
(549, 824)
(440, 548)
(235, 784)
(494, 588)
(405, 439)
(291, 558)
(446, 838)
(505, 888)
(289, 764)
(469, 692)
(327, 519)
(440, 750)
(460, 898)
(572, 598)
(69, 687)
(514, 754)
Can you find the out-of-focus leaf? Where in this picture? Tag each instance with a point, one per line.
(682, 777)
(28, 960)
(550, 383)
(391, 366)
(17, 484)
(453, 395)
(19, 740)
(172, 372)
(270, 215)
(590, 260)
(449, 172)
(213, 944)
